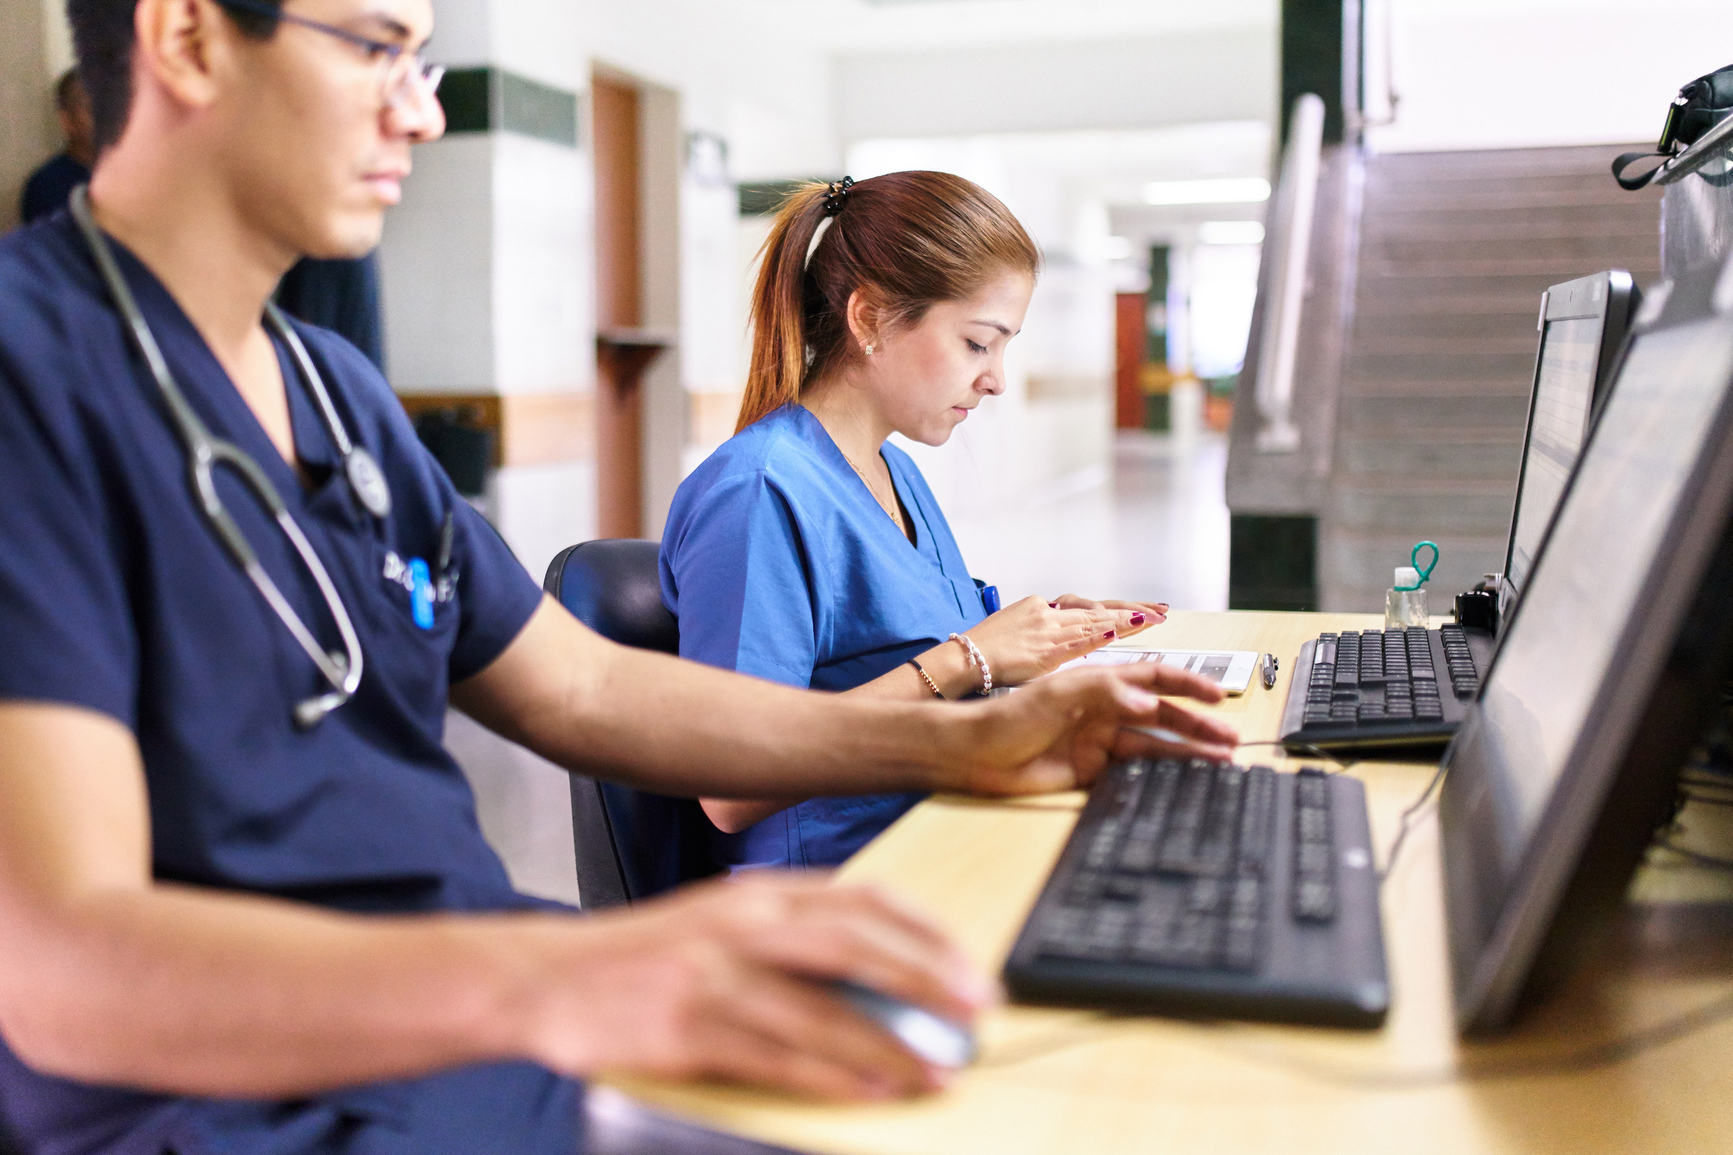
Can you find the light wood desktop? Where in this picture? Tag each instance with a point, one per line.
(1068, 1081)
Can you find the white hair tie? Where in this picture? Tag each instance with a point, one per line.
(817, 234)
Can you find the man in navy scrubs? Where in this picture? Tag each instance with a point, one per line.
(229, 930)
(49, 185)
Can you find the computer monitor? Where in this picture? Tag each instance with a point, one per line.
(1582, 324)
(1567, 763)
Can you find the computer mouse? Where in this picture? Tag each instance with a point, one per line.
(934, 1038)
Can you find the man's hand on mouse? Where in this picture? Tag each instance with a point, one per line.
(724, 981)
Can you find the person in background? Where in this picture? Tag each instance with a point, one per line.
(342, 295)
(809, 551)
(49, 186)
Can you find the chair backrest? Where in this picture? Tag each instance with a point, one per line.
(631, 844)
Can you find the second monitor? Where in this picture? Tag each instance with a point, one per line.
(1379, 689)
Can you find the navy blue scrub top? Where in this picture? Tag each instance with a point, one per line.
(778, 562)
(116, 596)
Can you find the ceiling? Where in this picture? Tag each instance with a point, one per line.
(855, 26)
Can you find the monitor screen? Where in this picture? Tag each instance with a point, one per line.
(1582, 324)
(1578, 663)
(1559, 420)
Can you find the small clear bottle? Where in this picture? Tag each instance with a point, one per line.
(1405, 603)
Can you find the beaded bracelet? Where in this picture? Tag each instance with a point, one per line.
(928, 679)
(976, 659)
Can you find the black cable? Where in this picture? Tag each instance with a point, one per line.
(1403, 824)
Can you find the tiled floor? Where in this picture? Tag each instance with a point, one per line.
(1155, 528)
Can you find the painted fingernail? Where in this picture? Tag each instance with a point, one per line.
(1052, 605)
(1109, 635)
(1137, 619)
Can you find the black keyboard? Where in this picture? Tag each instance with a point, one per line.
(1195, 867)
(1384, 687)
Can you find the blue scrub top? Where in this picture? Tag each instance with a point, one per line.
(116, 596)
(778, 562)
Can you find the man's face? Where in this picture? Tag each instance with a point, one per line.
(314, 145)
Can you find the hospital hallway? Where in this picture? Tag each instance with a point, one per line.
(1152, 527)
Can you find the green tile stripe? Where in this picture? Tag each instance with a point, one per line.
(494, 100)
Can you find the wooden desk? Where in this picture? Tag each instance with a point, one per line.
(1056, 1081)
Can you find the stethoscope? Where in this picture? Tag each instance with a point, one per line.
(205, 452)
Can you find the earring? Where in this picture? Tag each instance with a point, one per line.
(867, 349)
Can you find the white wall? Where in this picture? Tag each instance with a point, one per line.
(1123, 83)
(1525, 73)
(751, 76)
(28, 134)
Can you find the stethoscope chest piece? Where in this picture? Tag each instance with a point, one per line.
(368, 482)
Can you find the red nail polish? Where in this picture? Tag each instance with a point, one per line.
(1137, 619)
(1109, 634)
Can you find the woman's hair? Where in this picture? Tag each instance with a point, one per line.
(909, 239)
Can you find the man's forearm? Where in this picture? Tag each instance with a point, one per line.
(683, 728)
(192, 991)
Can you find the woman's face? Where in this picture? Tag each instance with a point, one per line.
(925, 378)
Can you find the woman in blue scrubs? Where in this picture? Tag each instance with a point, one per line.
(808, 550)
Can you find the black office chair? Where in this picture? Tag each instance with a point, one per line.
(631, 844)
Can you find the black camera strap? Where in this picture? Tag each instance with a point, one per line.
(1700, 106)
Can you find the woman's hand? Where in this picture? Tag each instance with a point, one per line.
(1152, 613)
(1032, 637)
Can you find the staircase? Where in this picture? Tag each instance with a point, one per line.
(1455, 250)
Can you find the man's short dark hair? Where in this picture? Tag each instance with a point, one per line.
(102, 36)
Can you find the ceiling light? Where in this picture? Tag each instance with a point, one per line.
(1230, 233)
(1218, 191)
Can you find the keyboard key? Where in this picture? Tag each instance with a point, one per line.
(1314, 901)
(1312, 858)
(1207, 895)
(1257, 818)
(1240, 945)
(1185, 823)
(1143, 840)
(1221, 829)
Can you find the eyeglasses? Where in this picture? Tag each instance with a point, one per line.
(405, 71)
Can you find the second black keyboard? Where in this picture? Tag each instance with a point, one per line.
(1384, 687)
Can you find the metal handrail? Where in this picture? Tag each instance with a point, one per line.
(1288, 245)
